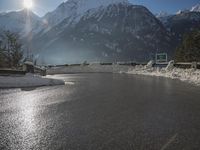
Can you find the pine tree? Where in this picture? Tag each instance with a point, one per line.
(11, 51)
(189, 50)
(2, 57)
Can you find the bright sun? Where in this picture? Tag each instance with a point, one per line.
(28, 4)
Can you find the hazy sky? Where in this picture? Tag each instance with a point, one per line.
(43, 6)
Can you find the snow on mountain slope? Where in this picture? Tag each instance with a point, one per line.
(196, 8)
(162, 14)
(117, 31)
(21, 22)
(182, 23)
(182, 11)
(75, 9)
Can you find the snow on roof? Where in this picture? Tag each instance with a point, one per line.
(28, 63)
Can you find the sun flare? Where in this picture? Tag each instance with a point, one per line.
(28, 4)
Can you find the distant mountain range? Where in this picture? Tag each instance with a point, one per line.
(100, 30)
(182, 22)
(21, 22)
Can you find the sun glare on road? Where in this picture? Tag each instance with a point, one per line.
(28, 4)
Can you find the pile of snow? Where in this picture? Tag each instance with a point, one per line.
(28, 80)
(189, 75)
(170, 66)
(93, 68)
(149, 64)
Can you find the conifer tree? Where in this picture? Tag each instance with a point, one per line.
(189, 50)
(10, 50)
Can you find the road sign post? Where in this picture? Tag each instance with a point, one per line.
(161, 58)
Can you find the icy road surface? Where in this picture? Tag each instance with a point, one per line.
(102, 112)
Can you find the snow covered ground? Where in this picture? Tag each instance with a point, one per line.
(28, 80)
(93, 68)
(189, 75)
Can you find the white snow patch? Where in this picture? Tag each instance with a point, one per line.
(92, 68)
(76, 9)
(29, 80)
(188, 75)
(195, 8)
(69, 83)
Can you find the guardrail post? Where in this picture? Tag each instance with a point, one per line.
(194, 65)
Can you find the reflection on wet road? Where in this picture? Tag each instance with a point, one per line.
(102, 111)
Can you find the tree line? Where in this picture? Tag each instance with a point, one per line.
(189, 49)
(11, 52)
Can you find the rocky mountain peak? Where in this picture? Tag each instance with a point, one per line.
(76, 9)
(195, 8)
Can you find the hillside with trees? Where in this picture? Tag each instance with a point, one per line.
(10, 50)
(189, 50)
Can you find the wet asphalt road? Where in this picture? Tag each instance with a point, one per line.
(102, 112)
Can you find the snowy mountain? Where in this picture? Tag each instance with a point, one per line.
(195, 8)
(162, 14)
(182, 11)
(182, 23)
(100, 30)
(75, 9)
(21, 22)
(119, 31)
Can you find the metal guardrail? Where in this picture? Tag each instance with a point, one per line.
(101, 63)
(6, 72)
(187, 63)
(195, 65)
(184, 65)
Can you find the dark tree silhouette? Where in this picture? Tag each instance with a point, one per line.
(189, 50)
(10, 50)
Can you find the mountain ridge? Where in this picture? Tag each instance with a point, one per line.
(105, 31)
(75, 9)
(17, 21)
(118, 31)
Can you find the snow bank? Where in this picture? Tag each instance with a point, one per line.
(93, 68)
(28, 80)
(189, 75)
